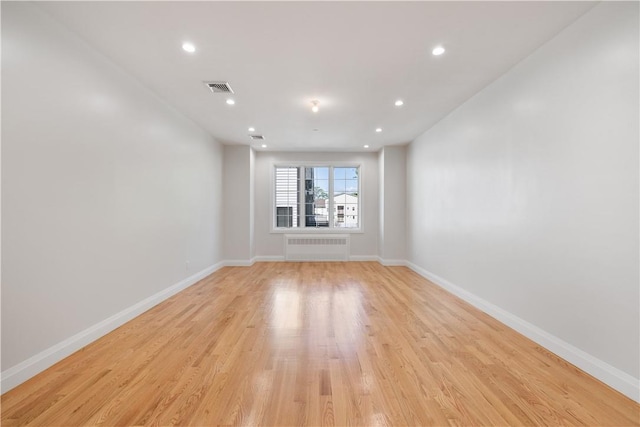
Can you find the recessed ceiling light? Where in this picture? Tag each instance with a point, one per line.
(264, 145)
(252, 129)
(188, 47)
(399, 103)
(366, 146)
(438, 50)
(378, 130)
(314, 106)
(230, 101)
(315, 130)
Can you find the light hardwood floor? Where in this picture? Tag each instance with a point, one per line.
(315, 344)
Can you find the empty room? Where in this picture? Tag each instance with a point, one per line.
(320, 213)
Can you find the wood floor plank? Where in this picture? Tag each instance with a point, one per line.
(335, 344)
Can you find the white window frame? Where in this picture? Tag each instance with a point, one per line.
(320, 230)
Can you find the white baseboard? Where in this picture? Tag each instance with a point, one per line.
(239, 262)
(281, 258)
(392, 262)
(269, 258)
(614, 377)
(21, 372)
(363, 258)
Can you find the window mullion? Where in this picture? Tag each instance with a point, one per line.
(302, 218)
(330, 202)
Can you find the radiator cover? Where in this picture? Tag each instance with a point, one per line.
(316, 247)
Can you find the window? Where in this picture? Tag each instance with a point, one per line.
(287, 200)
(284, 216)
(317, 197)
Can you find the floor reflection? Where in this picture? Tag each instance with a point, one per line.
(321, 318)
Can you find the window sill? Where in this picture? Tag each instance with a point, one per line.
(313, 230)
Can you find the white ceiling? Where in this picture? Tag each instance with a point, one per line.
(356, 58)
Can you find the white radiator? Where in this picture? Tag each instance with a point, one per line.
(316, 247)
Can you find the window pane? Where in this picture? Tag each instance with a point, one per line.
(351, 186)
(345, 197)
(316, 196)
(321, 173)
(351, 222)
(321, 189)
(284, 217)
(287, 196)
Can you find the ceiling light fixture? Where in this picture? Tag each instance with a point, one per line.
(230, 101)
(366, 146)
(399, 103)
(314, 106)
(438, 50)
(252, 129)
(188, 47)
(378, 130)
(264, 145)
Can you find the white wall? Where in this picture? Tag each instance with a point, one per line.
(107, 192)
(252, 199)
(270, 245)
(238, 204)
(392, 244)
(526, 196)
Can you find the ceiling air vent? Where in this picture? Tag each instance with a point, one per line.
(257, 137)
(219, 87)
